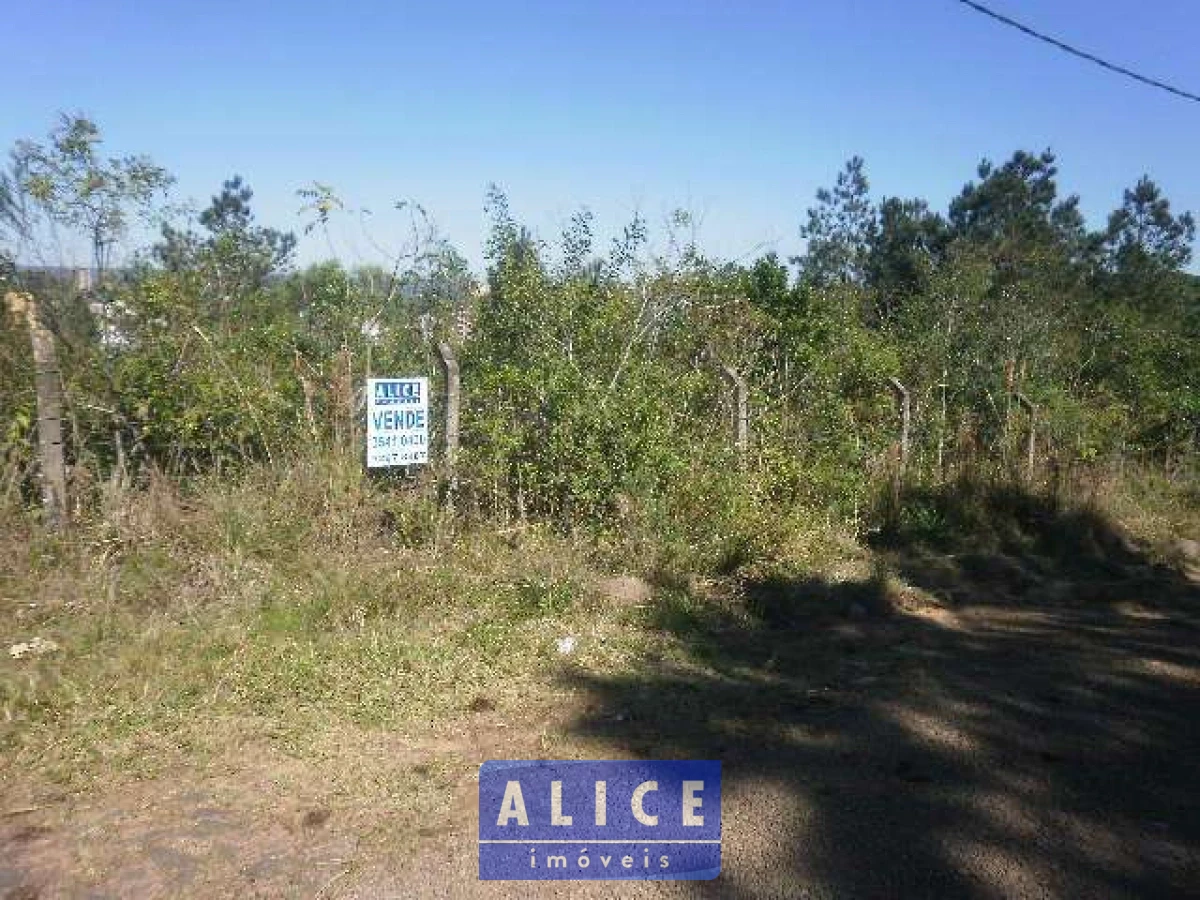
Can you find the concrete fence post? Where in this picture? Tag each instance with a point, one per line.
(1031, 440)
(453, 391)
(904, 406)
(741, 406)
(48, 385)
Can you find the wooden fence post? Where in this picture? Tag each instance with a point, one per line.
(48, 384)
(741, 406)
(453, 390)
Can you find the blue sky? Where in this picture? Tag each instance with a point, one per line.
(737, 111)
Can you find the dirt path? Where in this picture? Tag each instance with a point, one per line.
(1040, 742)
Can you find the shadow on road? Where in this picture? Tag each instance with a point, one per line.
(1021, 721)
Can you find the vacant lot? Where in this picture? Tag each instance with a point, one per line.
(953, 712)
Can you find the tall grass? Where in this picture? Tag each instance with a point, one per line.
(281, 602)
(194, 615)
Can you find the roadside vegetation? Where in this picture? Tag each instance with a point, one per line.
(215, 584)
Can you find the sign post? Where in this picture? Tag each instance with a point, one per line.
(397, 422)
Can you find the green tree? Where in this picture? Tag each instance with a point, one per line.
(838, 229)
(767, 286)
(1016, 202)
(1146, 246)
(85, 191)
(235, 257)
(1143, 323)
(14, 214)
(905, 247)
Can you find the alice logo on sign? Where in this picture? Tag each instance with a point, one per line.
(513, 809)
(599, 820)
(390, 393)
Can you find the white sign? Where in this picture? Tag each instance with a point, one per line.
(397, 422)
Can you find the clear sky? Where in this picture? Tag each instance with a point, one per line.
(737, 111)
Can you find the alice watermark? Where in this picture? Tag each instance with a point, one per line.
(570, 819)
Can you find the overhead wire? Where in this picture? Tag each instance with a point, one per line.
(1075, 51)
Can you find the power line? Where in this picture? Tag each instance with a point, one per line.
(1082, 54)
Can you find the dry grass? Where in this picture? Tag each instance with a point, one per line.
(297, 605)
(1153, 507)
(276, 608)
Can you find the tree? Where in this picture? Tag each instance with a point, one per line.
(905, 247)
(84, 191)
(838, 229)
(1145, 244)
(1039, 256)
(236, 256)
(13, 216)
(1144, 322)
(767, 286)
(1014, 210)
(10, 228)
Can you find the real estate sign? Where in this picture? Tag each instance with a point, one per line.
(397, 422)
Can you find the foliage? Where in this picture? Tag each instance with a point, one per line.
(84, 191)
(596, 386)
(838, 228)
(235, 257)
